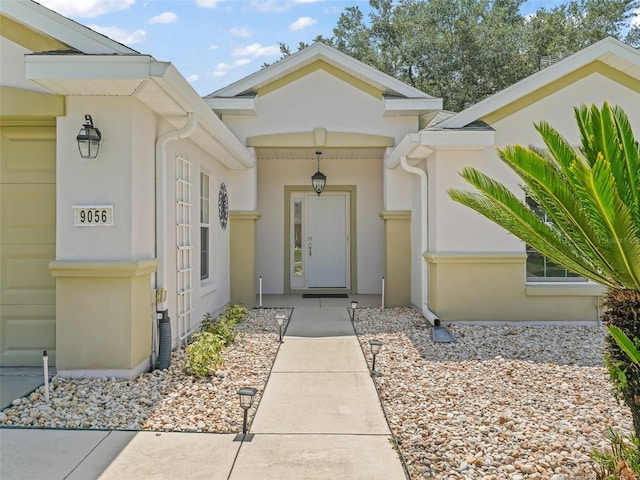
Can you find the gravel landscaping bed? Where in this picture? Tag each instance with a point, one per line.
(169, 400)
(507, 402)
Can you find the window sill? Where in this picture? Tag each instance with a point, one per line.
(207, 286)
(568, 289)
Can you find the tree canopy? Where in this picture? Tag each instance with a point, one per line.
(466, 50)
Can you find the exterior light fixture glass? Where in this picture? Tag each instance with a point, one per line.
(375, 346)
(280, 320)
(354, 305)
(318, 179)
(246, 400)
(89, 139)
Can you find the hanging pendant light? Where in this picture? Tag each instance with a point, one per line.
(318, 179)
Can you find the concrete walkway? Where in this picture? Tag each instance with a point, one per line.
(319, 418)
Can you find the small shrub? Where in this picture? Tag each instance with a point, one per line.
(204, 353)
(621, 462)
(221, 327)
(235, 313)
(224, 326)
(207, 321)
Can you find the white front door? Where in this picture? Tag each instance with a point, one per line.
(321, 240)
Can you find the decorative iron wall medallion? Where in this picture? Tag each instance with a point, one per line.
(223, 206)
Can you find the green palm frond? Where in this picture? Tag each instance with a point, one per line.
(591, 200)
(501, 206)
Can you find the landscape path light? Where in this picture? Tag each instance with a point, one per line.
(280, 319)
(246, 400)
(375, 346)
(354, 305)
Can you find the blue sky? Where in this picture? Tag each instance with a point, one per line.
(214, 42)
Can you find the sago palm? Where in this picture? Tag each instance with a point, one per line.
(591, 200)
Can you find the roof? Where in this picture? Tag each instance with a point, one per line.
(75, 36)
(399, 98)
(610, 52)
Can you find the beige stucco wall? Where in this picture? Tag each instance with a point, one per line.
(339, 107)
(476, 269)
(242, 226)
(319, 100)
(123, 175)
(491, 287)
(397, 268)
(104, 310)
(365, 175)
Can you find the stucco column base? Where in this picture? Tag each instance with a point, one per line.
(397, 261)
(103, 317)
(242, 233)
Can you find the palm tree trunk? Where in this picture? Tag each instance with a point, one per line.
(623, 311)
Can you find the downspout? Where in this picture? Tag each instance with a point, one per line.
(161, 216)
(424, 239)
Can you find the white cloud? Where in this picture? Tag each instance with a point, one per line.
(86, 8)
(271, 6)
(214, 47)
(223, 67)
(302, 23)
(240, 32)
(635, 20)
(278, 6)
(120, 35)
(193, 78)
(256, 50)
(208, 3)
(164, 17)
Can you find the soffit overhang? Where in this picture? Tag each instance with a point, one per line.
(420, 145)
(156, 84)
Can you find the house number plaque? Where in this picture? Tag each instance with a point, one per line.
(93, 215)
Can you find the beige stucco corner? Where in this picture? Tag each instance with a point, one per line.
(103, 316)
(491, 287)
(397, 263)
(242, 233)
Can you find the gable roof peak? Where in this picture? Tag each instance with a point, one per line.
(313, 53)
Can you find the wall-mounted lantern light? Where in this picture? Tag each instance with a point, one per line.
(89, 139)
(318, 179)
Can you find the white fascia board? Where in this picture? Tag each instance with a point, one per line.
(91, 67)
(542, 78)
(320, 51)
(232, 106)
(425, 142)
(61, 28)
(395, 107)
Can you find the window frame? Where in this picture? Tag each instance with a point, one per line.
(205, 227)
(568, 277)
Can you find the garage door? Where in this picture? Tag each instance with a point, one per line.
(27, 244)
